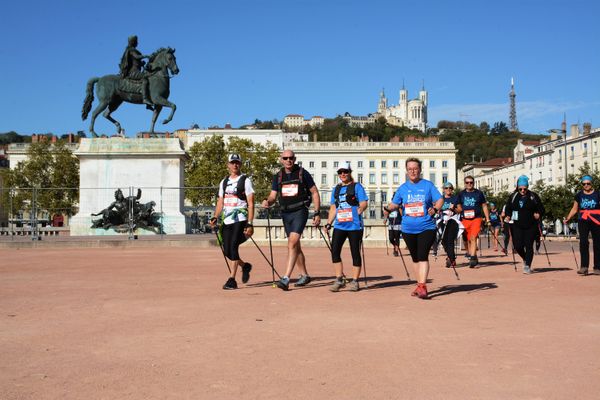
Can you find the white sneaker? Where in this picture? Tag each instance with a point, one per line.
(527, 269)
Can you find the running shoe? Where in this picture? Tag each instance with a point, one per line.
(420, 291)
(338, 284)
(230, 284)
(473, 262)
(283, 284)
(527, 270)
(596, 271)
(448, 263)
(582, 271)
(353, 286)
(246, 268)
(303, 280)
(396, 253)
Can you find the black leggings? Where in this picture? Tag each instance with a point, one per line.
(337, 241)
(233, 236)
(585, 227)
(507, 234)
(419, 244)
(523, 239)
(450, 234)
(394, 236)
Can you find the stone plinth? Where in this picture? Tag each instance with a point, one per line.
(153, 165)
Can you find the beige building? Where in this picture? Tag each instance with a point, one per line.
(298, 121)
(379, 166)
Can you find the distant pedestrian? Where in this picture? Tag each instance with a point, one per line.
(587, 206)
(394, 226)
(451, 225)
(495, 224)
(473, 206)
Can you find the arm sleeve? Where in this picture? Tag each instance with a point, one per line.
(221, 187)
(310, 182)
(397, 197)
(274, 183)
(248, 187)
(435, 193)
(459, 199)
(540, 206)
(332, 199)
(482, 197)
(509, 209)
(361, 195)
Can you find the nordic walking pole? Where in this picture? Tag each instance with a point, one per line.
(362, 245)
(387, 250)
(270, 244)
(274, 271)
(512, 243)
(222, 249)
(574, 256)
(324, 239)
(543, 239)
(488, 236)
(404, 263)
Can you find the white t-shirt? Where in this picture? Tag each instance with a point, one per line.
(231, 201)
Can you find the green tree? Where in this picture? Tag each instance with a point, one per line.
(205, 169)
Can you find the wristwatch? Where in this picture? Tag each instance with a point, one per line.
(249, 224)
(317, 214)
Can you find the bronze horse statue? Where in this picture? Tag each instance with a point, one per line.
(112, 90)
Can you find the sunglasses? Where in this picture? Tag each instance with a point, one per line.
(522, 189)
(448, 188)
(287, 158)
(469, 182)
(586, 183)
(343, 171)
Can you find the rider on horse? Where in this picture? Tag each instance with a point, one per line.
(131, 67)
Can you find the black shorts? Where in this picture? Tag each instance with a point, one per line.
(295, 221)
(419, 244)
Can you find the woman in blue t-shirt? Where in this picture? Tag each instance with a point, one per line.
(348, 202)
(494, 224)
(587, 203)
(419, 200)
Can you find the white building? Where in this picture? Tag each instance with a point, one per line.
(379, 166)
(409, 113)
(262, 136)
(359, 121)
(298, 121)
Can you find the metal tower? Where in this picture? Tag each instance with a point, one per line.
(514, 127)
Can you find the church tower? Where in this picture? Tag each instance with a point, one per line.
(423, 95)
(403, 102)
(382, 106)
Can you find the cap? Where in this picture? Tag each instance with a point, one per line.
(523, 181)
(234, 157)
(344, 165)
(492, 204)
(448, 185)
(586, 178)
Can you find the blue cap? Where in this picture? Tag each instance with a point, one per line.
(586, 178)
(523, 181)
(448, 184)
(492, 205)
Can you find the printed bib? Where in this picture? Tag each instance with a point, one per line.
(414, 209)
(231, 200)
(344, 215)
(469, 213)
(289, 190)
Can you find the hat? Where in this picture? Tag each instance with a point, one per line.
(492, 204)
(234, 157)
(448, 185)
(344, 165)
(586, 178)
(523, 181)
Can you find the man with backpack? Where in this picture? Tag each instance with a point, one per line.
(295, 188)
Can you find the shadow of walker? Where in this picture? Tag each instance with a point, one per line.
(451, 289)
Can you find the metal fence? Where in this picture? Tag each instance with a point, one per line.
(38, 212)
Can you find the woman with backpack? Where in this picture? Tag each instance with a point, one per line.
(348, 202)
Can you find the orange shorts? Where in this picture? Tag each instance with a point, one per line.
(472, 227)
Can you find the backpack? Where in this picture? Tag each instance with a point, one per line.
(240, 191)
(350, 194)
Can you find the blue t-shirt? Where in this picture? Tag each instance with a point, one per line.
(346, 216)
(588, 201)
(494, 218)
(416, 199)
(306, 178)
(471, 203)
(449, 201)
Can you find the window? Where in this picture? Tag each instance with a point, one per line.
(336, 164)
(432, 177)
(371, 213)
(371, 164)
(444, 164)
(311, 164)
(383, 164)
(432, 164)
(383, 197)
(372, 197)
(372, 179)
(384, 178)
(323, 179)
(395, 164)
(359, 165)
(323, 164)
(396, 178)
(444, 177)
(360, 178)
(335, 179)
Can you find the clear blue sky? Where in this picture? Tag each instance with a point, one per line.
(245, 59)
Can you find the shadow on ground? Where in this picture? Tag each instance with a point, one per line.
(451, 289)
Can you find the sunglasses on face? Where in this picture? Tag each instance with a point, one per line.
(448, 188)
(522, 189)
(343, 171)
(287, 158)
(469, 182)
(586, 183)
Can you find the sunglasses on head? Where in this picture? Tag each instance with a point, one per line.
(343, 171)
(287, 158)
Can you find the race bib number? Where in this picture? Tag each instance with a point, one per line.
(469, 213)
(414, 209)
(344, 215)
(290, 190)
(231, 200)
(515, 216)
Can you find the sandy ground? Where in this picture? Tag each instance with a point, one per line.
(154, 323)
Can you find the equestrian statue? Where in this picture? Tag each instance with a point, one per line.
(138, 82)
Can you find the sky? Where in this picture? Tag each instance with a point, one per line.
(241, 60)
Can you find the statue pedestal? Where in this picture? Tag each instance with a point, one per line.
(153, 165)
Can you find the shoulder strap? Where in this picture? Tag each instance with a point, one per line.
(336, 194)
(241, 187)
(225, 182)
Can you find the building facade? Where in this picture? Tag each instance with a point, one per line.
(298, 121)
(262, 136)
(409, 113)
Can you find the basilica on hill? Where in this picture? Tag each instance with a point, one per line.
(409, 113)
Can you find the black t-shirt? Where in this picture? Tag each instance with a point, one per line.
(306, 178)
(471, 203)
(520, 208)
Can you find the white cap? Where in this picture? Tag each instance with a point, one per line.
(234, 157)
(344, 165)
